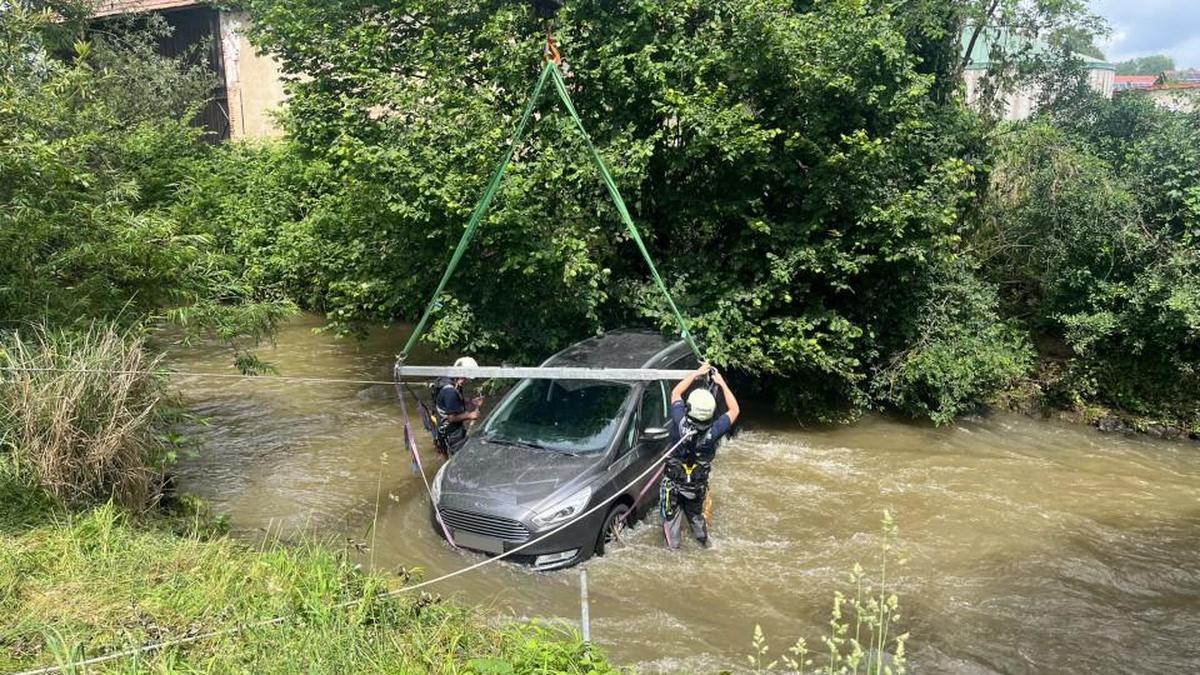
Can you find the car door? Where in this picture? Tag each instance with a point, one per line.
(651, 413)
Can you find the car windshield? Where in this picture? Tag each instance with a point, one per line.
(574, 417)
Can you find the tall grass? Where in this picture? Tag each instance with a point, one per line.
(92, 583)
(81, 415)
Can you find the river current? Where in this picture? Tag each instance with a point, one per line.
(1031, 546)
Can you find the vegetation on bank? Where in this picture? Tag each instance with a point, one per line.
(76, 585)
(91, 564)
(95, 156)
(839, 226)
(794, 174)
(84, 416)
(1091, 232)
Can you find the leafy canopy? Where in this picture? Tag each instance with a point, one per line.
(1155, 64)
(97, 141)
(790, 169)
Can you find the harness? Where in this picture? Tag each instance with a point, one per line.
(440, 418)
(691, 462)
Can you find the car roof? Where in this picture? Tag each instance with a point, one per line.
(620, 349)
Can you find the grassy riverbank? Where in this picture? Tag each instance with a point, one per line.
(92, 564)
(81, 585)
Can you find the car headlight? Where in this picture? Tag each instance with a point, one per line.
(435, 488)
(563, 510)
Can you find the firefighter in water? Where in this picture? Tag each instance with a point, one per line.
(685, 482)
(453, 409)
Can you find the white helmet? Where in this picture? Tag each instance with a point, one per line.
(466, 362)
(701, 405)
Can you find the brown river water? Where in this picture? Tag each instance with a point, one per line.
(1032, 546)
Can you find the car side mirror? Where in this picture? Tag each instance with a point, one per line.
(655, 434)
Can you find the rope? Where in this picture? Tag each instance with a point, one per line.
(416, 456)
(152, 647)
(645, 489)
(350, 603)
(184, 373)
(552, 71)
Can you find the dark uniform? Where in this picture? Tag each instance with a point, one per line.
(685, 481)
(448, 400)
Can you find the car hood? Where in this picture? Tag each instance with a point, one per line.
(488, 476)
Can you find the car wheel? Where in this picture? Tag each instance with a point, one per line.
(614, 528)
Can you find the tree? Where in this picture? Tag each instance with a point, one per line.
(1027, 45)
(96, 142)
(1092, 226)
(1063, 22)
(1146, 65)
(792, 171)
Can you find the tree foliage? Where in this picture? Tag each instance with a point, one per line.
(829, 215)
(791, 170)
(1032, 46)
(1092, 232)
(96, 142)
(1155, 64)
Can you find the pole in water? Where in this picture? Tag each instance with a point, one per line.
(584, 610)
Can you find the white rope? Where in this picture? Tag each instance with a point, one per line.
(407, 589)
(182, 373)
(420, 372)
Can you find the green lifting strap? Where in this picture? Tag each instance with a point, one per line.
(551, 71)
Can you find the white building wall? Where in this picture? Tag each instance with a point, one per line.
(1021, 104)
(253, 82)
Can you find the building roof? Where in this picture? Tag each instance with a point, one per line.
(110, 7)
(1134, 82)
(1172, 86)
(1153, 83)
(981, 54)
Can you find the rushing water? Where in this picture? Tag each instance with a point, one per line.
(1032, 546)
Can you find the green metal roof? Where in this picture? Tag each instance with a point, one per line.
(981, 55)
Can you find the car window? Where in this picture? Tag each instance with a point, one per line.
(654, 406)
(631, 437)
(573, 417)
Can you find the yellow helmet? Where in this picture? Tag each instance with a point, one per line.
(701, 405)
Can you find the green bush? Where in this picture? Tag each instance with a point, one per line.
(97, 142)
(1090, 229)
(962, 354)
(789, 167)
(261, 202)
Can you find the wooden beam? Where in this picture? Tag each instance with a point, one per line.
(552, 373)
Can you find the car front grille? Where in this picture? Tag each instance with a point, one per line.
(485, 525)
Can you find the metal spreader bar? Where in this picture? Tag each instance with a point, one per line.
(552, 373)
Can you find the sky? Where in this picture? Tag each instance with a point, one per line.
(1144, 27)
